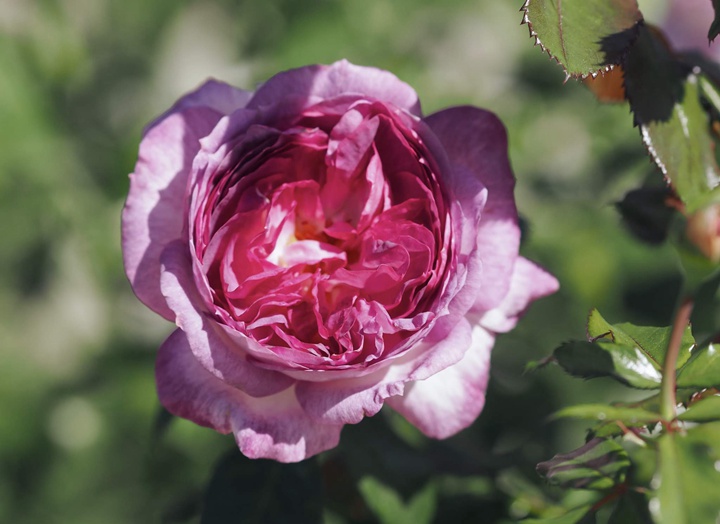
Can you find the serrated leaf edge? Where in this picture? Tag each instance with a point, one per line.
(582, 76)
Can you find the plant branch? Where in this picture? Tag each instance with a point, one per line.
(668, 408)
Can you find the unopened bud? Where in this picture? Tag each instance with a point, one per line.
(703, 230)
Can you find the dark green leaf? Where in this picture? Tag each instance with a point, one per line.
(664, 96)
(645, 212)
(715, 26)
(623, 363)
(689, 491)
(263, 492)
(651, 341)
(584, 359)
(632, 508)
(600, 464)
(702, 370)
(705, 410)
(604, 412)
(584, 36)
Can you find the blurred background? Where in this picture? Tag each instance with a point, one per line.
(78, 81)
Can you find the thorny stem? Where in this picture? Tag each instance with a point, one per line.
(668, 407)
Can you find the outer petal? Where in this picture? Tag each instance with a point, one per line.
(273, 427)
(330, 81)
(216, 95)
(348, 400)
(476, 145)
(153, 214)
(209, 345)
(529, 282)
(451, 400)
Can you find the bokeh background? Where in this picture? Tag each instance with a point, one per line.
(82, 439)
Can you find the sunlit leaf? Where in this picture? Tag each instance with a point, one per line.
(603, 412)
(584, 36)
(704, 410)
(626, 364)
(664, 97)
(263, 492)
(651, 341)
(600, 464)
(702, 370)
(689, 491)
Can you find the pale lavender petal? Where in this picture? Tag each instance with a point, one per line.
(348, 400)
(154, 211)
(529, 282)
(216, 95)
(323, 82)
(273, 427)
(211, 347)
(476, 144)
(450, 400)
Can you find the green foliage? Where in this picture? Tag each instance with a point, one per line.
(634, 450)
(702, 370)
(584, 36)
(689, 489)
(633, 355)
(665, 99)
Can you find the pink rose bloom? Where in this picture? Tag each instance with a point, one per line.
(324, 249)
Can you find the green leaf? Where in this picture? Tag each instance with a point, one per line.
(632, 508)
(625, 364)
(584, 36)
(651, 341)
(631, 354)
(389, 507)
(263, 492)
(605, 412)
(689, 491)
(665, 99)
(702, 370)
(646, 214)
(599, 465)
(704, 410)
(715, 26)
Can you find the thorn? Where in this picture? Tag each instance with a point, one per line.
(567, 77)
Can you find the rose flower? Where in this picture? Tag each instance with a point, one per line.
(324, 249)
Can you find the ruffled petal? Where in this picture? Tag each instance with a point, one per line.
(211, 347)
(450, 400)
(529, 282)
(476, 145)
(273, 427)
(324, 82)
(348, 400)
